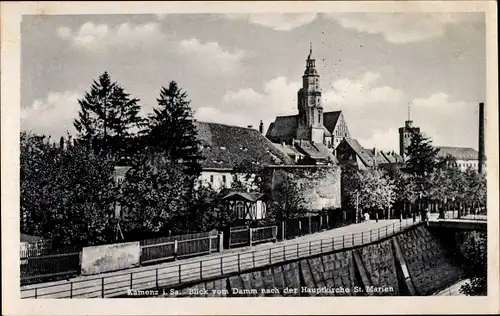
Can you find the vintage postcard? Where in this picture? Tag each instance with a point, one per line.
(249, 158)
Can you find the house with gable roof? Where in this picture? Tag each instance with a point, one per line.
(226, 148)
(350, 151)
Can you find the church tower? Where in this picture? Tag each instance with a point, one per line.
(310, 125)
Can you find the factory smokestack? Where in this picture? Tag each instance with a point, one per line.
(482, 156)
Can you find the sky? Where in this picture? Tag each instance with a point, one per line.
(238, 69)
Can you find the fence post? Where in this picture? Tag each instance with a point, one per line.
(333, 243)
(300, 227)
(371, 239)
(221, 241)
(253, 258)
(353, 239)
(175, 248)
(310, 224)
(321, 245)
(131, 279)
(284, 253)
(250, 231)
(379, 232)
(386, 227)
(221, 268)
(157, 277)
(239, 268)
(283, 230)
(209, 243)
(70, 289)
(36, 292)
(309, 247)
(270, 258)
(362, 238)
(297, 250)
(343, 241)
(102, 287)
(180, 274)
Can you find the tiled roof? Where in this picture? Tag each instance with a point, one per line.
(316, 151)
(251, 196)
(330, 120)
(283, 126)
(288, 149)
(227, 146)
(392, 157)
(459, 153)
(365, 155)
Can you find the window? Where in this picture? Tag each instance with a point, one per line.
(240, 210)
(224, 179)
(319, 117)
(211, 179)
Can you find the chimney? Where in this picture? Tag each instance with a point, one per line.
(482, 157)
(249, 126)
(261, 127)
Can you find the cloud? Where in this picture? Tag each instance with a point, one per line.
(373, 111)
(446, 121)
(398, 27)
(276, 21)
(52, 116)
(387, 139)
(247, 107)
(96, 37)
(211, 56)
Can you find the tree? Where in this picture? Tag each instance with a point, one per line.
(288, 201)
(66, 195)
(209, 211)
(422, 156)
(170, 128)
(372, 189)
(107, 117)
(154, 195)
(475, 249)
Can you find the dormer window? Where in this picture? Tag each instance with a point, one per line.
(243, 148)
(218, 161)
(222, 148)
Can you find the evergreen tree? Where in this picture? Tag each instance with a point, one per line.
(422, 156)
(171, 129)
(107, 116)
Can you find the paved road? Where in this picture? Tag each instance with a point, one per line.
(216, 264)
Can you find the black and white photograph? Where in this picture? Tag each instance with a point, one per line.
(237, 155)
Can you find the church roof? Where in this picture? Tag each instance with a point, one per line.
(227, 146)
(330, 120)
(283, 126)
(459, 153)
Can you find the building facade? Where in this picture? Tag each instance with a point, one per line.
(465, 158)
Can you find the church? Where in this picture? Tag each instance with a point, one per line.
(311, 135)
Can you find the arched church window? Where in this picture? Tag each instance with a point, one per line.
(319, 117)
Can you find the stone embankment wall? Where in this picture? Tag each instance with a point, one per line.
(412, 263)
(430, 266)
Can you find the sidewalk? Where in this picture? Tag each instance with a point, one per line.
(169, 273)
